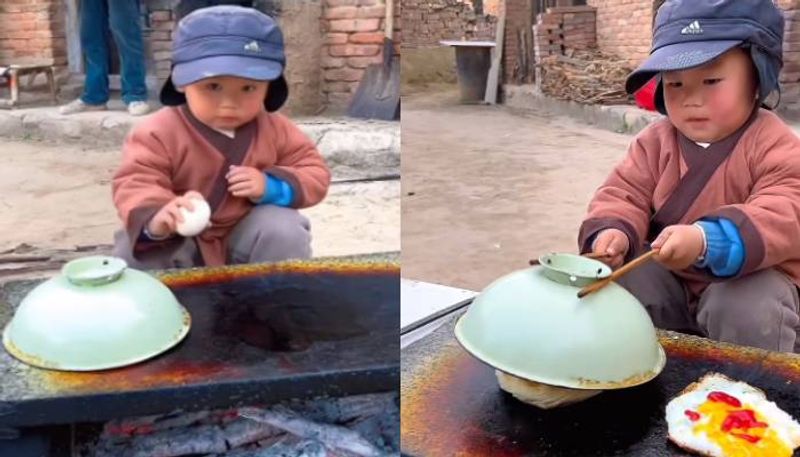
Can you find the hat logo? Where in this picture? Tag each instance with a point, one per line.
(252, 46)
(692, 29)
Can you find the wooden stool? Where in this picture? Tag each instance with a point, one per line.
(10, 77)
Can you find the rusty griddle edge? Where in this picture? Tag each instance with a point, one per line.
(107, 406)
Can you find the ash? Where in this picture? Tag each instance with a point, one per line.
(359, 425)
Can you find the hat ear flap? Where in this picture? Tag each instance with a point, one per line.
(277, 94)
(661, 106)
(767, 71)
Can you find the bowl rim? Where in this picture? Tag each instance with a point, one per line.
(634, 380)
(39, 362)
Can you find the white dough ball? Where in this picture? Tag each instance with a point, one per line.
(194, 222)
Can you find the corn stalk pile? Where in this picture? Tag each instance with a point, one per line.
(586, 76)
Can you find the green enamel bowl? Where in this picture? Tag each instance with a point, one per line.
(96, 315)
(532, 325)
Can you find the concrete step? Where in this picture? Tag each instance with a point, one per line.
(353, 148)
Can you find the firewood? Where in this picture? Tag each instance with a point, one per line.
(331, 436)
(585, 76)
(245, 431)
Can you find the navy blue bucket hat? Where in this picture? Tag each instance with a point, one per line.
(691, 33)
(227, 41)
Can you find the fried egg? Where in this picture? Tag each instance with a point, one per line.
(717, 416)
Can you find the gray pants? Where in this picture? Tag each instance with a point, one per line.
(267, 234)
(759, 310)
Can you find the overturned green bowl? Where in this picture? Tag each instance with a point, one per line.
(530, 324)
(96, 315)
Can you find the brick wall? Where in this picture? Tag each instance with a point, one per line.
(159, 42)
(561, 29)
(624, 27)
(329, 43)
(352, 33)
(353, 39)
(427, 22)
(790, 75)
(32, 31)
(518, 36)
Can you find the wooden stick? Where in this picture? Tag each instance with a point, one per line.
(595, 286)
(490, 95)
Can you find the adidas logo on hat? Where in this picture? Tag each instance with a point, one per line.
(252, 46)
(692, 29)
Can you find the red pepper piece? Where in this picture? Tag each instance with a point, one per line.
(743, 419)
(692, 415)
(722, 397)
(750, 438)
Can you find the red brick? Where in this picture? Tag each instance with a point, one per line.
(341, 12)
(354, 50)
(162, 55)
(160, 35)
(160, 16)
(354, 25)
(335, 3)
(166, 25)
(160, 46)
(363, 62)
(367, 38)
(19, 25)
(789, 77)
(336, 38)
(791, 66)
(332, 62)
(791, 47)
(372, 12)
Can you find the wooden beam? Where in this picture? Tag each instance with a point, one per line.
(497, 58)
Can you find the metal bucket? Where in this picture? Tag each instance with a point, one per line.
(473, 60)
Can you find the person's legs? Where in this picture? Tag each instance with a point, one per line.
(124, 22)
(183, 255)
(93, 29)
(269, 234)
(663, 295)
(759, 310)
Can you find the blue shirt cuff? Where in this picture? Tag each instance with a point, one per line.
(278, 192)
(725, 251)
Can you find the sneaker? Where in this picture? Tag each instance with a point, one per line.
(138, 108)
(78, 106)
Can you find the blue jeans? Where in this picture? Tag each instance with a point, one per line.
(122, 17)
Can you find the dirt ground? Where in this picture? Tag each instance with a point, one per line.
(59, 197)
(485, 188)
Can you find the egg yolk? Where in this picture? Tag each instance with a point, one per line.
(736, 428)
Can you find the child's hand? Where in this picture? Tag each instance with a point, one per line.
(246, 182)
(167, 218)
(615, 244)
(679, 246)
